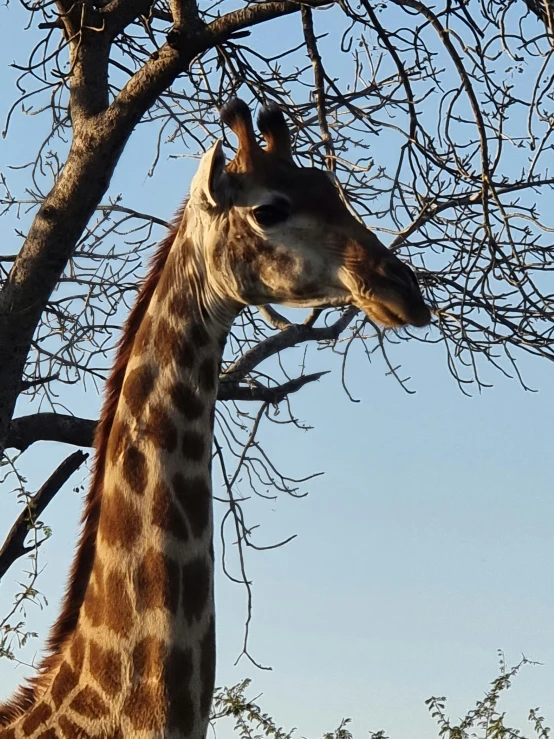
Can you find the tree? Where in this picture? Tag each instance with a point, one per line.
(483, 721)
(464, 200)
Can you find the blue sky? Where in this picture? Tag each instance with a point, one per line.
(425, 547)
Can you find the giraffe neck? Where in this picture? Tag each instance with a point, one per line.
(141, 657)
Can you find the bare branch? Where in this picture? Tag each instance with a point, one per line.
(319, 85)
(295, 334)
(14, 544)
(27, 430)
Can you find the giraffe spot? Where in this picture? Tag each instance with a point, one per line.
(144, 706)
(166, 280)
(117, 733)
(78, 652)
(120, 522)
(212, 417)
(161, 428)
(89, 703)
(48, 734)
(105, 668)
(197, 588)
(157, 582)
(196, 498)
(207, 668)
(192, 445)
(94, 598)
(178, 304)
(38, 716)
(166, 514)
(166, 340)
(186, 401)
(149, 658)
(118, 439)
(185, 354)
(134, 469)
(94, 610)
(63, 684)
(139, 383)
(207, 375)
(7, 733)
(118, 610)
(69, 729)
(199, 335)
(178, 677)
(144, 335)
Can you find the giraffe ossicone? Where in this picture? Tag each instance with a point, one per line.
(132, 653)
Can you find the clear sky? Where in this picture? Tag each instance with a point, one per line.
(425, 547)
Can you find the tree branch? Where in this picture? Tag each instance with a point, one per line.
(544, 10)
(14, 544)
(27, 430)
(319, 86)
(295, 334)
(229, 390)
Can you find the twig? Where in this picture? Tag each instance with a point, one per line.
(14, 544)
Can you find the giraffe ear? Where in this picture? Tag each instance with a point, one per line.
(208, 183)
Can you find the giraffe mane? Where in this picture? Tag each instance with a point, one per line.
(64, 626)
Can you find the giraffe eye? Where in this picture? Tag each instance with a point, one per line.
(272, 213)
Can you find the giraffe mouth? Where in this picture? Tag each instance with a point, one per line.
(391, 317)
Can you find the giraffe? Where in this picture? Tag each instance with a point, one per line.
(132, 653)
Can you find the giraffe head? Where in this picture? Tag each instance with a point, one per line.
(278, 233)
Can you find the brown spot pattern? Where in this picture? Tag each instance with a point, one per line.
(166, 280)
(199, 335)
(157, 582)
(195, 497)
(120, 522)
(118, 611)
(148, 658)
(185, 354)
(135, 470)
(94, 599)
(192, 445)
(63, 684)
(166, 340)
(186, 401)
(178, 304)
(144, 335)
(70, 730)
(89, 703)
(207, 668)
(179, 673)
(137, 388)
(143, 706)
(118, 439)
(38, 716)
(93, 605)
(161, 428)
(196, 588)
(105, 668)
(7, 733)
(78, 652)
(48, 734)
(207, 373)
(166, 514)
